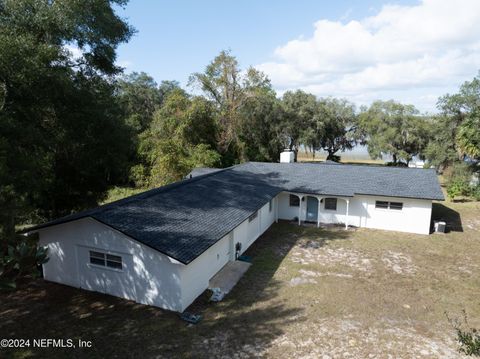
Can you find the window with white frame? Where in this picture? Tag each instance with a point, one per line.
(331, 204)
(396, 206)
(106, 260)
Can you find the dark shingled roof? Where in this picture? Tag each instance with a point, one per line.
(184, 219)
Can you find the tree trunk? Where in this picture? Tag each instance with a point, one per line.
(293, 147)
(8, 231)
(394, 157)
(331, 155)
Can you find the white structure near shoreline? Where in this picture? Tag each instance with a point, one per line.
(163, 246)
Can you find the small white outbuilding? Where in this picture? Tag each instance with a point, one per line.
(287, 156)
(162, 247)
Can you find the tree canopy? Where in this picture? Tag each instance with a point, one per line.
(182, 136)
(338, 123)
(61, 134)
(395, 129)
(456, 129)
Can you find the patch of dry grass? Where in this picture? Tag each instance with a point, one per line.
(310, 293)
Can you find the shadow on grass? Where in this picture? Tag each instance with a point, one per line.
(255, 313)
(441, 212)
(247, 321)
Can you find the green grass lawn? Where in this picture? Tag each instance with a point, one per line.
(309, 293)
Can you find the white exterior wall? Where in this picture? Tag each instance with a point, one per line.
(148, 277)
(414, 217)
(247, 232)
(284, 209)
(338, 216)
(196, 275)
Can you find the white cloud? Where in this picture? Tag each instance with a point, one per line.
(426, 49)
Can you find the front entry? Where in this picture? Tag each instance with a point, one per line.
(312, 209)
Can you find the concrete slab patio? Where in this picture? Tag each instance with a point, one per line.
(229, 275)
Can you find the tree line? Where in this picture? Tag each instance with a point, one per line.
(238, 117)
(73, 125)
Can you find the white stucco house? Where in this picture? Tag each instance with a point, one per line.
(162, 247)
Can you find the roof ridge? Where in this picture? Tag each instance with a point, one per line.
(345, 164)
(90, 212)
(154, 191)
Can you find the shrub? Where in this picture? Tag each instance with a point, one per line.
(468, 338)
(334, 158)
(21, 261)
(475, 192)
(116, 193)
(458, 187)
(458, 178)
(458, 170)
(396, 164)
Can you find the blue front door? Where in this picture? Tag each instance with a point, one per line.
(312, 209)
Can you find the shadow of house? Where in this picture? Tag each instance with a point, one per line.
(441, 212)
(252, 314)
(247, 321)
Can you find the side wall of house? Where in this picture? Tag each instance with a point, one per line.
(196, 275)
(414, 217)
(147, 277)
(248, 231)
(284, 209)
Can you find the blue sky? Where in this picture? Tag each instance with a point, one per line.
(329, 48)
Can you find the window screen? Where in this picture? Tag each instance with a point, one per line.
(114, 261)
(106, 260)
(381, 204)
(294, 201)
(97, 258)
(396, 205)
(331, 204)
